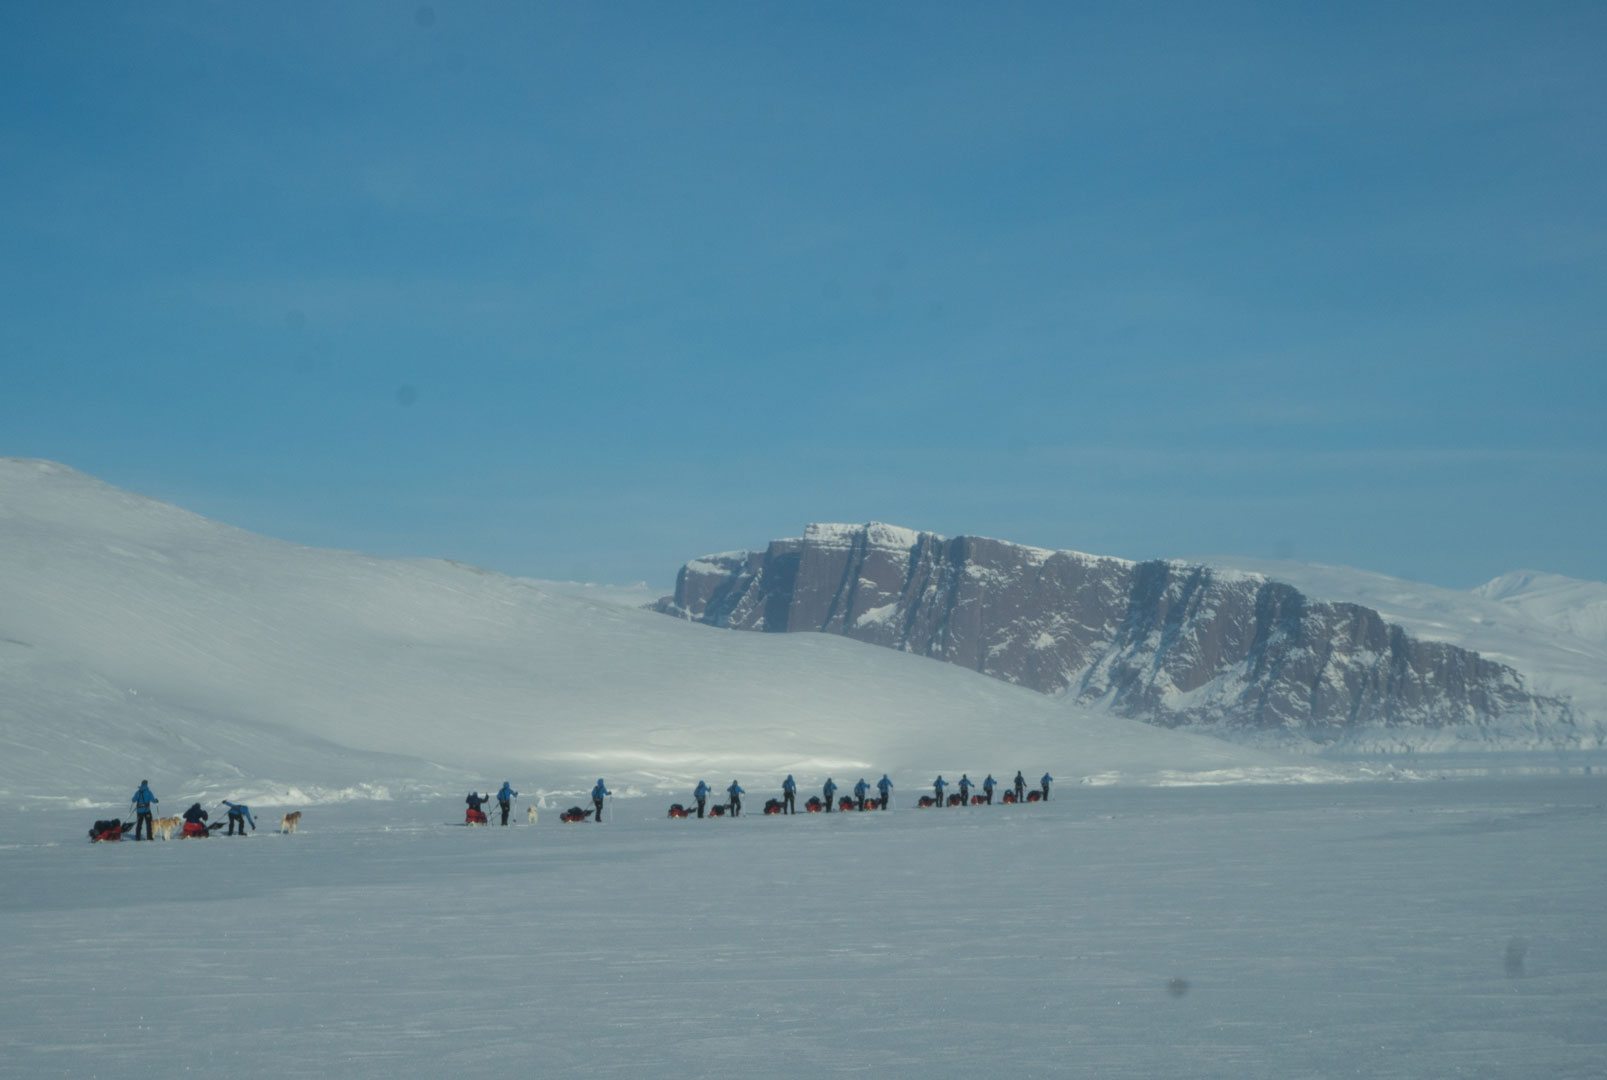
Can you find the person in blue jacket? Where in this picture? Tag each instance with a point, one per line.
(789, 795)
(736, 793)
(965, 790)
(143, 800)
(1046, 781)
(830, 791)
(505, 799)
(598, 794)
(937, 788)
(239, 814)
(987, 788)
(701, 794)
(885, 786)
(860, 790)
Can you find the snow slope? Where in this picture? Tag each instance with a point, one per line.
(1542, 625)
(1573, 606)
(139, 640)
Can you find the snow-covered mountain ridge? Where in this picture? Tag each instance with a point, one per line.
(1221, 647)
(140, 640)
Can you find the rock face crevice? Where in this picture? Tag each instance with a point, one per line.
(1167, 642)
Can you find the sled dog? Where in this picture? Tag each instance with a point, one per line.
(530, 815)
(288, 823)
(165, 827)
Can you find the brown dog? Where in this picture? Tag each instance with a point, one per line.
(288, 823)
(165, 827)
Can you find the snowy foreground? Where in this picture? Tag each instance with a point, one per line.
(1422, 929)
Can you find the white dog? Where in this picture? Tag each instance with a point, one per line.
(288, 823)
(530, 814)
(165, 827)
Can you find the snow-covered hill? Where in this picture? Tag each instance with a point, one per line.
(1568, 604)
(139, 640)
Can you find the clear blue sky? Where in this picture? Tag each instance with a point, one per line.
(583, 290)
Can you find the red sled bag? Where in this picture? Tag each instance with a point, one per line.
(927, 800)
(194, 828)
(1009, 797)
(814, 805)
(574, 814)
(979, 800)
(471, 816)
(106, 832)
(677, 810)
(1034, 796)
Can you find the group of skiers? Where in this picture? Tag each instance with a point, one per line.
(788, 803)
(195, 819)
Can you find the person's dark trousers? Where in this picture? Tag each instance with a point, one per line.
(885, 799)
(790, 799)
(1021, 793)
(859, 803)
(143, 817)
(989, 795)
(736, 806)
(828, 802)
(599, 803)
(1046, 793)
(700, 808)
(505, 807)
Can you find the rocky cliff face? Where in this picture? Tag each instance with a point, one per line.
(1173, 644)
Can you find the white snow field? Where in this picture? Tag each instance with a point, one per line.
(1411, 930)
(138, 640)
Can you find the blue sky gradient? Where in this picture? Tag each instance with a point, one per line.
(584, 290)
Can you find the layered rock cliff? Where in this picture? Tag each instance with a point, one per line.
(1167, 642)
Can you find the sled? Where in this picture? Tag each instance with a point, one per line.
(108, 832)
(1009, 798)
(956, 800)
(979, 800)
(774, 806)
(574, 814)
(194, 829)
(1035, 796)
(678, 811)
(927, 800)
(471, 816)
(814, 805)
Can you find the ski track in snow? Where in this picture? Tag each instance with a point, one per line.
(1379, 930)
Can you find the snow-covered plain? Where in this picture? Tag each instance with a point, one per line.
(1430, 929)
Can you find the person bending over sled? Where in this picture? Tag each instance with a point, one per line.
(736, 793)
(474, 815)
(239, 814)
(143, 800)
(505, 799)
(830, 791)
(789, 795)
(195, 822)
(701, 794)
(598, 794)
